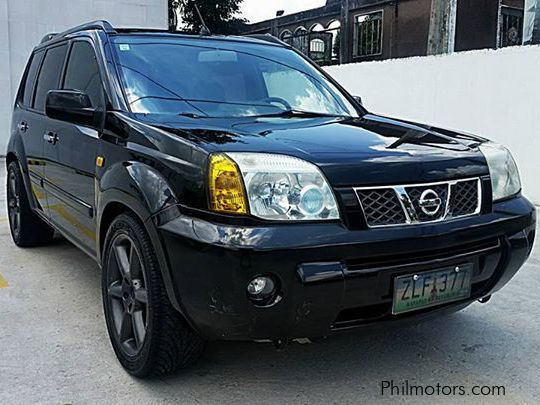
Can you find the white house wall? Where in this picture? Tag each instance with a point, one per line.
(24, 22)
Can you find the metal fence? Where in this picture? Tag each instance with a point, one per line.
(511, 27)
(320, 46)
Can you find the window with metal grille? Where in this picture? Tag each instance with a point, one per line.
(317, 45)
(511, 27)
(368, 34)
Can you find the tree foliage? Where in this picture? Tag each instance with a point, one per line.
(221, 16)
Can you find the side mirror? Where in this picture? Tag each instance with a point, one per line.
(71, 106)
(358, 99)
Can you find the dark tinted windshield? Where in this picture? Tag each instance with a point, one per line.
(222, 79)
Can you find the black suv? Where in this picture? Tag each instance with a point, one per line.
(230, 189)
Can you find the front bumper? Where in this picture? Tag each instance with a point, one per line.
(332, 278)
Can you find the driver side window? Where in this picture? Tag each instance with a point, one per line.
(82, 73)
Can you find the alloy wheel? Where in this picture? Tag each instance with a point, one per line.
(127, 294)
(14, 203)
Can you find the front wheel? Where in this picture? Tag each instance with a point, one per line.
(148, 335)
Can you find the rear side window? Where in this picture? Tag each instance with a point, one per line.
(82, 72)
(28, 89)
(49, 76)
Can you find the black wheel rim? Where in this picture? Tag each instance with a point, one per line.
(127, 294)
(14, 203)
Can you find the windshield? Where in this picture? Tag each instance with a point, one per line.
(211, 78)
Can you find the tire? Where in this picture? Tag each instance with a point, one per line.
(27, 229)
(148, 335)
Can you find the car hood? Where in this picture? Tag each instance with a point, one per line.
(360, 151)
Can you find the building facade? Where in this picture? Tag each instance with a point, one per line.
(531, 31)
(346, 31)
(24, 22)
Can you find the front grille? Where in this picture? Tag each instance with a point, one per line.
(382, 207)
(419, 203)
(465, 196)
(415, 194)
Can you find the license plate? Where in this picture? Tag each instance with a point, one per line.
(422, 290)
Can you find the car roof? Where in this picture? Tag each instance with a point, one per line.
(108, 29)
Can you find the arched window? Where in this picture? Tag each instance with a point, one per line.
(333, 25)
(286, 36)
(335, 29)
(301, 40)
(316, 28)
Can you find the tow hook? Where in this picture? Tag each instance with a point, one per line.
(484, 300)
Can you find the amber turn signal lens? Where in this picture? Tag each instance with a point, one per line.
(227, 193)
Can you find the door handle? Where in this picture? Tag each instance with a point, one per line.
(23, 126)
(51, 137)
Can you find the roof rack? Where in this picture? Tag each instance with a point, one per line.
(93, 25)
(268, 38)
(109, 29)
(128, 30)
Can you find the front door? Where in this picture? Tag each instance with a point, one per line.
(71, 152)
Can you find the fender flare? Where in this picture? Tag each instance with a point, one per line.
(127, 184)
(16, 148)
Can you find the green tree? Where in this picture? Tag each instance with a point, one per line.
(221, 16)
(173, 14)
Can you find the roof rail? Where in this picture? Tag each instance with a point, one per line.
(268, 38)
(129, 30)
(48, 37)
(93, 25)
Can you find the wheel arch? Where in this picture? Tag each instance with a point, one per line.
(10, 158)
(111, 211)
(120, 193)
(14, 156)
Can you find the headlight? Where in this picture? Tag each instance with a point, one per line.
(504, 173)
(277, 187)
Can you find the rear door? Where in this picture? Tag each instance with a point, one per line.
(49, 76)
(26, 121)
(35, 120)
(71, 156)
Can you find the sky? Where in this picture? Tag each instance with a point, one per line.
(259, 10)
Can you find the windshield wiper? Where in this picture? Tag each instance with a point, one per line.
(192, 115)
(281, 114)
(299, 114)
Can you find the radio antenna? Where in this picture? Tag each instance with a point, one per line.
(204, 28)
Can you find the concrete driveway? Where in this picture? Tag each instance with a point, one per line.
(54, 347)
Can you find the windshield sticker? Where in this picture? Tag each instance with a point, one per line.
(124, 47)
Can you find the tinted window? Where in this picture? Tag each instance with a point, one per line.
(49, 76)
(28, 89)
(83, 74)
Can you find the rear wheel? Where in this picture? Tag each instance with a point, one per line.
(27, 229)
(148, 335)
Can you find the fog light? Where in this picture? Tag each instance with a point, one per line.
(262, 290)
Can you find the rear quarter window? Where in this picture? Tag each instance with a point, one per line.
(49, 76)
(30, 79)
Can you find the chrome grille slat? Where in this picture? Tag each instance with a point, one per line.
(386, 206)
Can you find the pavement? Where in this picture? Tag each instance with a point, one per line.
(54, 348)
